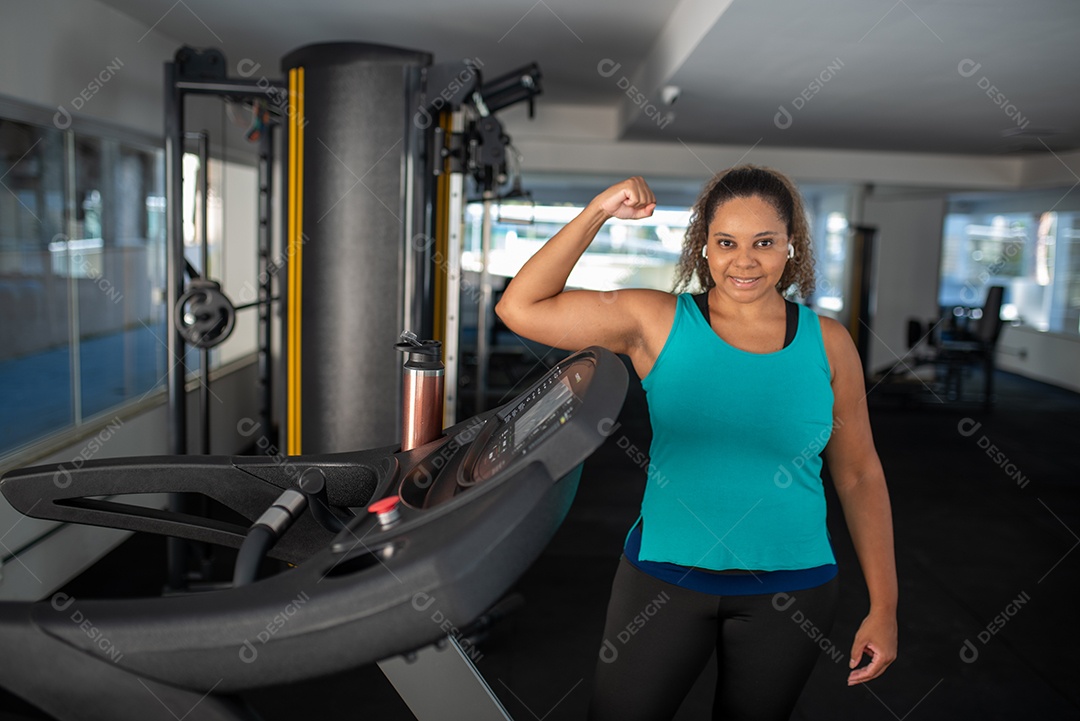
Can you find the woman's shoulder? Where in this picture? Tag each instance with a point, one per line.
(832, 330)
(839, 347)
(655, 309)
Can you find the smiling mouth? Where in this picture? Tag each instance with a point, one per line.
(743, 282)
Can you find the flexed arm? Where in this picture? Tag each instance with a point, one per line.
(535, 303)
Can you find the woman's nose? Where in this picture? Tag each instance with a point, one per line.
(745, 258)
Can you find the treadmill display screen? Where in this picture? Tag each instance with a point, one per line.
(527, 424)
(537, 415)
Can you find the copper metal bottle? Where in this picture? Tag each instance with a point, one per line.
(422, 396)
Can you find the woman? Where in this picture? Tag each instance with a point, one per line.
(744, 390)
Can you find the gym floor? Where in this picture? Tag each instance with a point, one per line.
(987, 511)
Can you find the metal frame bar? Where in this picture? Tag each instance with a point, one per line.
(176, 377)
(484, 311)
(452, 342)
(174, 267)
(266, 280)
(440, 672)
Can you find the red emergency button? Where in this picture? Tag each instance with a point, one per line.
(386, 510)
(385, 505)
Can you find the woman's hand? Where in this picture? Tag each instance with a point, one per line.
(632, 199)
(876, 638)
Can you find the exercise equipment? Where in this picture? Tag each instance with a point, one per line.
(358, 192)
(861, 320)
(454, 523)
(376, 142)
(369, 162)
(204, 314)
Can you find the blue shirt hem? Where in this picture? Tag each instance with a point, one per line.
(720, 584)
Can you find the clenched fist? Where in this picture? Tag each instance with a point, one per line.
(632, 199)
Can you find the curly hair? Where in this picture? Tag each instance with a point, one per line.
(746, 181)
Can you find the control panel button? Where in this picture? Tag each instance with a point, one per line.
(386, 510)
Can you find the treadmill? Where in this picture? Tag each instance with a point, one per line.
(389, 549)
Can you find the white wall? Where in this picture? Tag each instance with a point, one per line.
(52, 50)
(584, 140)
(1049, 357)
(99, 66)
(906, 268)
(829, 166)
(240, 269)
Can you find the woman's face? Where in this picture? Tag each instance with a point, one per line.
(747, 246)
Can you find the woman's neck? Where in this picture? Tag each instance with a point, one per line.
(765, 308)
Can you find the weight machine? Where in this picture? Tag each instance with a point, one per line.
(341, 111)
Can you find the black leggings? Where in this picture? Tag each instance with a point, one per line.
(658, 637)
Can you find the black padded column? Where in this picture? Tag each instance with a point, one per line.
(355, 106)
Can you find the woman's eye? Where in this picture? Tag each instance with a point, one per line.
(724, 243)
(765, 243)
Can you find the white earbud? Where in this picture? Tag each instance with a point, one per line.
(704, 251)
(791, 251)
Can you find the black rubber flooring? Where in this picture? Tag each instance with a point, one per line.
(987, 515)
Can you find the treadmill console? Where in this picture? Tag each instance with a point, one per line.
(525, 424)
(556, 422)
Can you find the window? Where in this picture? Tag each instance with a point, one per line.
(624, 254)
(827, 214)
(832, 265)
(81, 268)
(1034, 254)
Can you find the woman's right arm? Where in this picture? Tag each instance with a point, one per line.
(535, 304)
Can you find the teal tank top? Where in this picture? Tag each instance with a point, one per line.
(734, 478)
